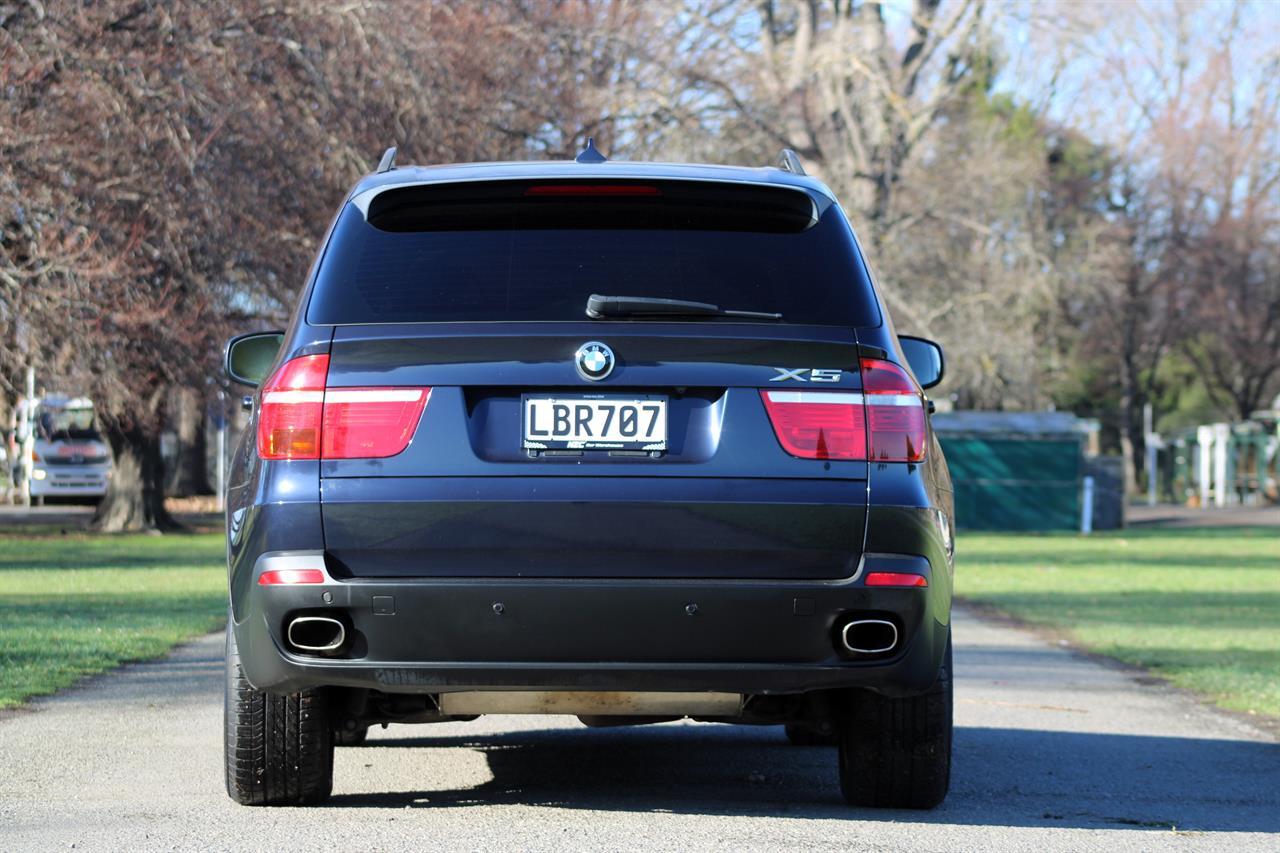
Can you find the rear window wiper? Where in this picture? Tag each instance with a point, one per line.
(601, 307)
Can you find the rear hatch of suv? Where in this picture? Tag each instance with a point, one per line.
(513, 436)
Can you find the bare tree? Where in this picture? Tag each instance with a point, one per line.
(166, 169)
(854, 90)
(1238, 313)
(1184, 95)
(1232, 258)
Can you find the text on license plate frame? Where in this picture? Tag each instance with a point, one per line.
(587, 416)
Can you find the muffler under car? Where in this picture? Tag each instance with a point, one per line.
(590, 703)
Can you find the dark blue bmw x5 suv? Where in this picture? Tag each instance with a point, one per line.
(627, 441)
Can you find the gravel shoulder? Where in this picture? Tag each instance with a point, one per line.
(1053, 751)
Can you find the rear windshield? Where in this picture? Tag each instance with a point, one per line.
(523, 251)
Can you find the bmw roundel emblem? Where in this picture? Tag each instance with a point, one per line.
(594, 360)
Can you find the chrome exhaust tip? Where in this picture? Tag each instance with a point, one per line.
(316, 634)
(869, 636)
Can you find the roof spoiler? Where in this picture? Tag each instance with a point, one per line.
(788, 161)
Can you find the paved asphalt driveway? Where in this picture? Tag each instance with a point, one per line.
(1053, 751)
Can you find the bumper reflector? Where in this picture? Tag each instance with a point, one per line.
(278, 577)
(896, 579)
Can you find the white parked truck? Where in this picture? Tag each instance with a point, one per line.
(56, 449)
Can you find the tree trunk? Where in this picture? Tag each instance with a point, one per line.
(187, 478)
(1132, 440)
(135, 497)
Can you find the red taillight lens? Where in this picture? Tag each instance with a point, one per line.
(818, 424)
(895, 579)
(292, 400)
(370, 423)
(895, 413)
(302, 419)
(282, 577)
(885, 422)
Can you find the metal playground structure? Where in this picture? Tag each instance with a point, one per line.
(1217, 465)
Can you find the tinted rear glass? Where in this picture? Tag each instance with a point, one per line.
(513, 251)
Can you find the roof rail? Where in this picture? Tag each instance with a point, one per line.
(789, 161)
(591, 154)
(388, 161)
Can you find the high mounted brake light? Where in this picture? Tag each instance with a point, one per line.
(885, 422)
(301, 418)
(561, 190)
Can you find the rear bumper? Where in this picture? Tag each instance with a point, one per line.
(443, 635)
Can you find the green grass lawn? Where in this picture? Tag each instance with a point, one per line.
(1199, 606)
(76, 605)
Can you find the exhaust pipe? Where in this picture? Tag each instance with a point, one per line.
(316, 634)
(869, 636)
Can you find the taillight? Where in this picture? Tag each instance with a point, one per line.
(292, 403)
(302, 419)
(818, 424)
(895, 413)
(370, 423)
(885, 422)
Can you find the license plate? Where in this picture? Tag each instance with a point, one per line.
(75, 450)
(595, 423)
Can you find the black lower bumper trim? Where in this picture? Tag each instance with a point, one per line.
(432, 636)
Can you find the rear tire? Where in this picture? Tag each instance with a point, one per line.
(895, 753)
(279, 749)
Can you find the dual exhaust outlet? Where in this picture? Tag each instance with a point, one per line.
(327, 635)
(869, 636)
(316, 634)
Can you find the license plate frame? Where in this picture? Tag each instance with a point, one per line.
(539, 427)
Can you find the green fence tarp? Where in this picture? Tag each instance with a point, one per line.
(1015, 482)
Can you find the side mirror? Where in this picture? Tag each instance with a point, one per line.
(247, 358)
(925, 358)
